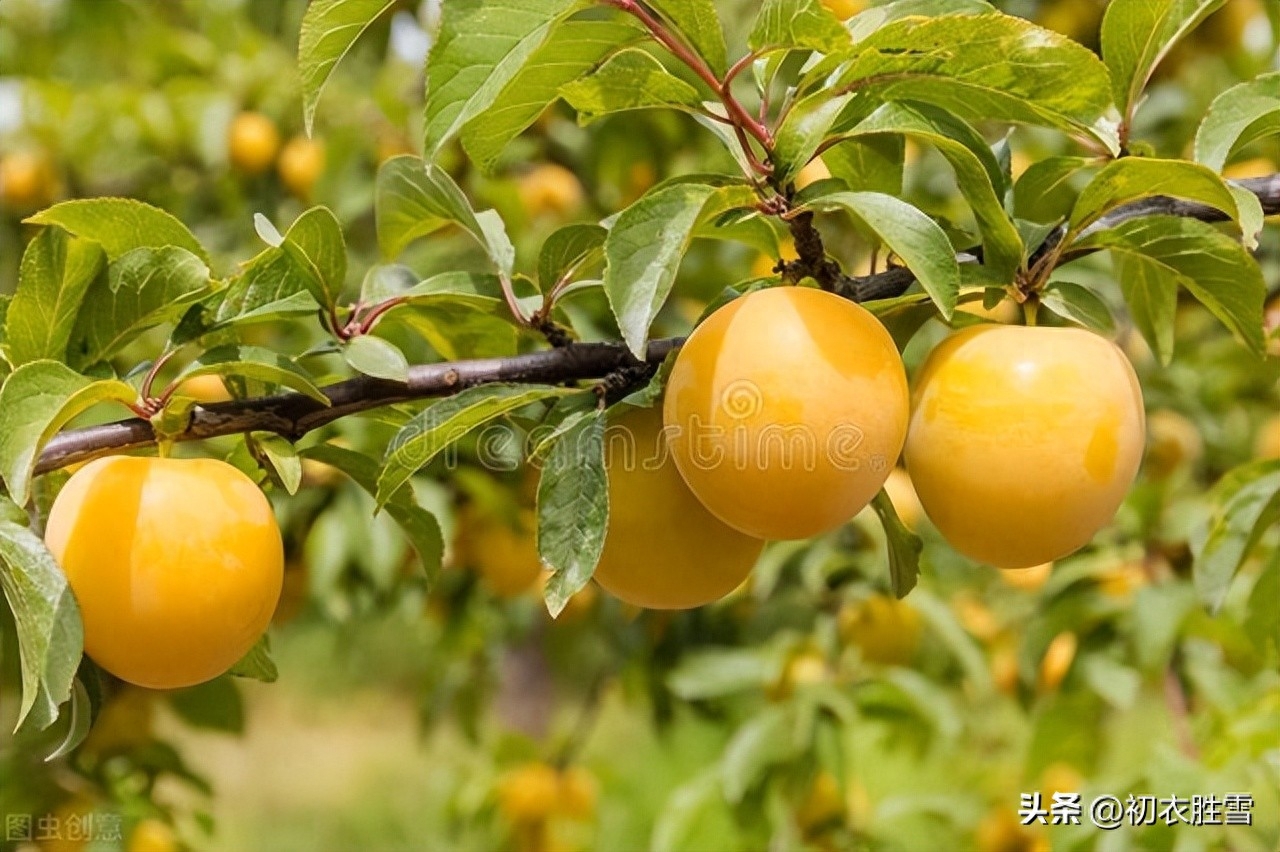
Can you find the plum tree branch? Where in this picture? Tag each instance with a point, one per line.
(294, 415)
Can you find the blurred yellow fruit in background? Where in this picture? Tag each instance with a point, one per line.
(26, 181)
(823, 804)
(1001, 830)
(579, 793)
(1266, 444)
(550, 190)
(886, 630)
(504, 554)
(1057, 660)
(1173, 443)
(152, 835)
(252, 142)
(813, 171)
(300, 166)
(529, 793)
(205, 389)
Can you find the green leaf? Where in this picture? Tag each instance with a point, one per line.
(643, 252)
(376, 357)
(869, 20)
(631, 79)
(803, 131)
(1155, 254)
(698, 21)
(868, 163)
(718, 672)
(79, 724)
(257, 664)
(254, 362)
(329, 28)
(1245, 504)
(978, 175)
(143, 288)
(50, 637)
(796, 25)
(910, 234)
(212, 706)
(573, 509)
(120, 225)
(904, 547)
(981, 68)
(1239, 116)
(413, 200)
(279, 458)
(1044, 193)
(677, 824)
(1137, 34)
(37, 400)
(480, 47)
(1263, 620)
(269, 286)
(1079, 304)
(1133, 178)
(314, 242)
(568, 250)
(443, 423)
(764, 740)
(572, 50)
(418, 525)
(56, 271)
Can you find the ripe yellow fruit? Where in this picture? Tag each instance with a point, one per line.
(1004, 668)
(976, 617)
(885, 629)
(786, 410)
(1005, 312)
(529, 793)
(1001, 830)
(1024, 441)
(1057, 660)
(1060, 777)
(1266, 444)
(803, 669)
(301, 164)
(26, 181)
(550, 190)
(843, 9)
(1251, 168)
(1028, 579)
(663, 550)
(823, 804)
(1125, 579)
(252, 142)
(205, 389)
(579, 793)
(177, 565)
(152, 835)
(813, 171)
(505, 556)
(902, 494)
(1173, 443)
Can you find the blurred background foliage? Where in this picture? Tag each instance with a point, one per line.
(808, 709)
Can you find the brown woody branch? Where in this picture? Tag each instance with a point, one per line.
(294, 415)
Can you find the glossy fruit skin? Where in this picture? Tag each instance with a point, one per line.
(252, 142)
(300, 165)
(1024, 441)
(786, 411)
(177, 565)
(663, 549)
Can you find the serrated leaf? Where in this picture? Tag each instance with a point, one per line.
(631, 79)
(904, 547)
(257, 664)
(910, 234)
(981, 68)
(1245, 504)
(1044, 193)
(444, 422)
(419, 525)
(55, 274)
(796, 25)
(314, 243)
(50, 636)
(568, 249)
(329, 29)
(37, 400)
(120, 225)
(572, 50)
(1079, 304)
(1239, 116)
(376, 357)
(573, 509)
(480, 47)
(643, 252)
(254, 362)
(698, 21)
(1133, 178)
(1156, 254)
(978, 175)
(1137, 34)
(142, 289)
(269, 286)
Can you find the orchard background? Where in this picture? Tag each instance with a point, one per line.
(490, 201)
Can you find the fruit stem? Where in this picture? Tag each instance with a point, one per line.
(1030, 308)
